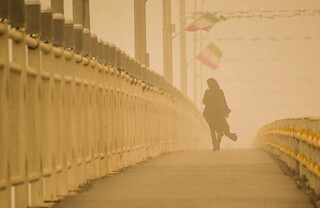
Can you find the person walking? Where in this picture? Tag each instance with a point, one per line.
(215, 112)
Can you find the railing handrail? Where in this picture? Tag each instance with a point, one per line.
(78, 109)
(296, 141)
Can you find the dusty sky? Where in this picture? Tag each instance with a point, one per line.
(263, 80)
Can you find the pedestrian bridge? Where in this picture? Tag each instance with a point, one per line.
(196, 178)
(84, 125)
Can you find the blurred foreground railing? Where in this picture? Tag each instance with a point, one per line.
(74, 108)
(296, 142)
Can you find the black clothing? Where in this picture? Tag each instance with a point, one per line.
(216, 109)
(215, 112)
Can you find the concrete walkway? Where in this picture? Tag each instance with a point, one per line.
(202, 178)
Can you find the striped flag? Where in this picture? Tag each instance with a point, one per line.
(210, 56)
(205, 22)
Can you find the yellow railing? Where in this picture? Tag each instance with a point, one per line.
(296, 141)
(69, 114)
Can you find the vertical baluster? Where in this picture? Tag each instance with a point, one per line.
(48, 141)
(113, 103)
(118, 113)
(102, 107)
(87, 105)
(79, 134)
(4, 72)
(124, 105)
(144, 114)
(69, 111)
(33, 105)
(94, 88)
(311, 174)
(131, 112)
(59, 104)
(17, 105)
(128, 118)
(139, 109)
(108, 111)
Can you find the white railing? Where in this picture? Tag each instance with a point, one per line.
(296, 141)
(74, 109)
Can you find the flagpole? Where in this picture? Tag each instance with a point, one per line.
(167, 41)
(195, 63)
(183, 48)
(201, 71)
(201, 80)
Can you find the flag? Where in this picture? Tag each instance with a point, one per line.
(210, 56)
(205, 22)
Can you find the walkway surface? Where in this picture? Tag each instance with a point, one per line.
(200, 178)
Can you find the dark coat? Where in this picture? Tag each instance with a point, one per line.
(216, 108)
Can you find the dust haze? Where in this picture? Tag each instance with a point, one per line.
(269, 69)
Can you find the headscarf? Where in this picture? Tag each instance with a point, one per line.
(213, 84)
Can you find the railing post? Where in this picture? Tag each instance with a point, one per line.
(33, 105)
(312, 153)
(113, 110)
(108, 110)
(131, 113)
(57, 6)
(4, 10)
(124, 102)
(87, 107)
(48, 147)
(17, 103)
(123, 108)
(102, 108)
(78, 10)
(94, 93)
(69, 97)
(140, 112)
(5, 188)
(79, 137)
(17, 13)
(279, 138)
(118, 109)
(59, 104)
(136, 111)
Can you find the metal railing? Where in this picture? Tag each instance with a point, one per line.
(74, 108)
(296, 141)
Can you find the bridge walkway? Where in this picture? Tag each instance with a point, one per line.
(198, 178)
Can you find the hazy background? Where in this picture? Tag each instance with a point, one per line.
(263, 80)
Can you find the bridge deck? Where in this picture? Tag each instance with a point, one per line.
(229, 178)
